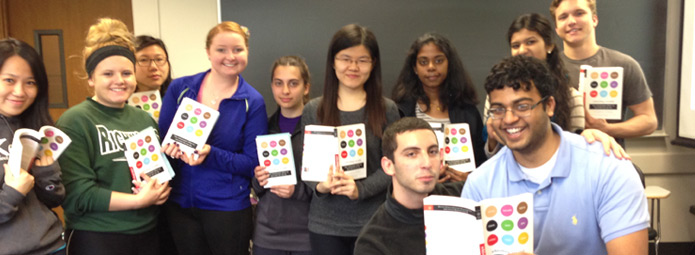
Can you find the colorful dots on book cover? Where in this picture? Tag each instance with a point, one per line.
(458, 147)
(328, 148)
(148, 101)
(353, 148)
(53, 142)
(507, 227)
(191, 126)
(275, 153)
(144, 155)
(603, 91)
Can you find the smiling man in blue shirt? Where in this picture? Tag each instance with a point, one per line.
(584, 201)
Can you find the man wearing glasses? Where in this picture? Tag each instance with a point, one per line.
(585, 202)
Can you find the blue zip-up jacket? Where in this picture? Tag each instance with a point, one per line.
(222, 181)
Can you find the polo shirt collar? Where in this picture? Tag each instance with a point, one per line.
(560, 170)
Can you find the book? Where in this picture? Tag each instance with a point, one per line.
(327, 147)
(148, 101)
(495, 226)
(27, 145)
(602, 88)
(191, 126)
(275, 153)
(143, 154)
(456, 144)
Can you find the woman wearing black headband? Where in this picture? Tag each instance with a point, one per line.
(103, 215)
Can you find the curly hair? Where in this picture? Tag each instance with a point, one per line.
(521, 72)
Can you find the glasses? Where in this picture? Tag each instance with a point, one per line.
(361, 62)
(145, 62)
(519, 110)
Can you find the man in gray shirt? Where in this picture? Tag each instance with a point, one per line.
(576, 22)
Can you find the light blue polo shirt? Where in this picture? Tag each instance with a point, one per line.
(587, 200)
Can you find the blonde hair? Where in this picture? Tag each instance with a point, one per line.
(555, 3)
(107, 32)
(227, 26)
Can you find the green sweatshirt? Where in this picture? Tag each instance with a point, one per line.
(94, 165)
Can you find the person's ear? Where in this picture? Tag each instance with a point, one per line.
(594, 19)
(550, 106)
(388, 166)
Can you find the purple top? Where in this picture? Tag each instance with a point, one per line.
(287, 124)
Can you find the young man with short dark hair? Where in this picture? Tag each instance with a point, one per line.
(412, 159)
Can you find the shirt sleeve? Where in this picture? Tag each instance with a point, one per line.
(635, 87)
(48, 186)
(622, 204)
(9, 200)
(242, 163)
(84, 194)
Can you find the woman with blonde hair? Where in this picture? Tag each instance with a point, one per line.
(210, 211)
(103, 214)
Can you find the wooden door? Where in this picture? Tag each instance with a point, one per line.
(22, 18)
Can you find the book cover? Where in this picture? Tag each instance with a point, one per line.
(326, 147)
(456, 144)
(602, 88)
(191, 126)
(148, 101)
(143, 153)
(27, 145)
(275, 153)
(496, 226)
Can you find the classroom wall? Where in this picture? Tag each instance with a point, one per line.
(305, 27)
(182, 25)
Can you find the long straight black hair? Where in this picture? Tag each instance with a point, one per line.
(457, 89)
(37, 114)
(375, 111)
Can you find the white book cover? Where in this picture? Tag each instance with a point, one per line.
(275, 153)
(148, 101)
(458, 147)
(28, 145)
(326, 147)
(438, 132)
(143, 153)
(191, 126)
(505, 225)
(602, 88)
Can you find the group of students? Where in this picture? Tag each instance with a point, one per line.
(206, 208)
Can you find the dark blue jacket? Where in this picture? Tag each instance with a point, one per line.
(222, 181)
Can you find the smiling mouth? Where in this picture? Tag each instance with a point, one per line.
(229, 65)
(432, 77)
(16, 101)
(513, 131)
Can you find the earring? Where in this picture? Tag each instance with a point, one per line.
(549, 52)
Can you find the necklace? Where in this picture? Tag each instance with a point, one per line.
(214, 101)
